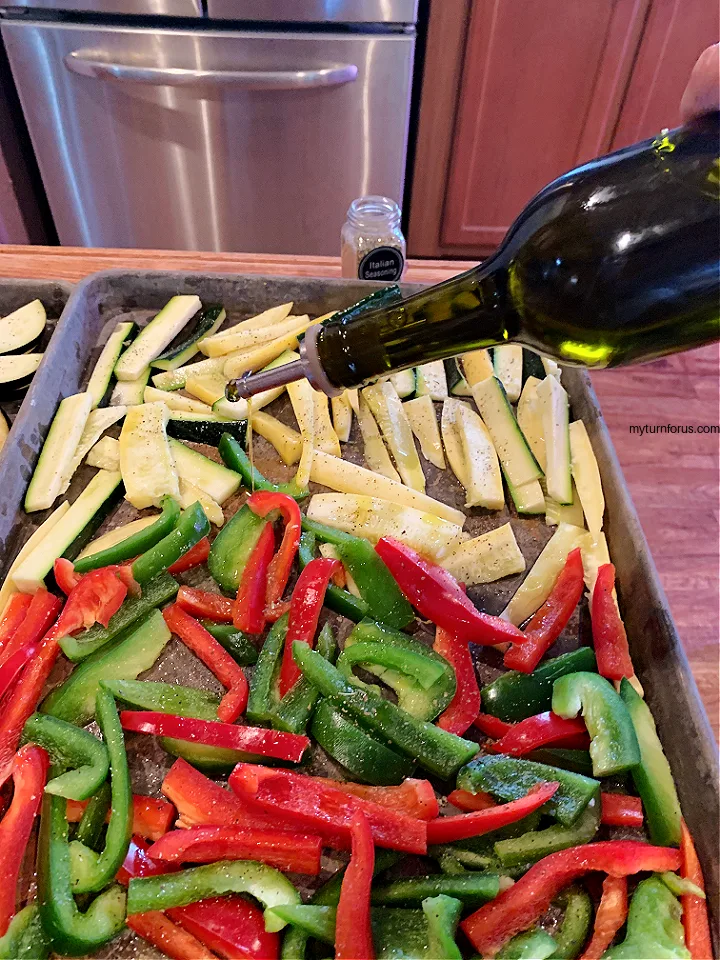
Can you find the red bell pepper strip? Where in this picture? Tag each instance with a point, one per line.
(695, 910)
(551, 619)
(95, 598)
(266, 743)
(230, 926)
(537, 731)
(305, 607)
(22, 701)
(353, 931)
(437, 596)
(609, 637)
(65, 576)
(610, 916)
(209, 606)
(152, 816)
(318, 808)
(519, 907)
(262, 503)
(465, 825)
(41, 612)
(293, 852)
(464, 800)
(195, 556)
(620, 810)
(414, 798)
(198, 799)
(492, 726)
(13, 666)
(168, 937)
(29, 772)
(194, 635)
(249, 606)
(464, 706)
(14, 615)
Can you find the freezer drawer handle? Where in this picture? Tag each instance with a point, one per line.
(89, 64)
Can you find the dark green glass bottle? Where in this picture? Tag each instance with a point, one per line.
(616, 262)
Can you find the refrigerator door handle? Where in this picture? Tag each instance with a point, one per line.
(87, 63)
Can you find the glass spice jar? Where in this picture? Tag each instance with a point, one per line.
(372, 243)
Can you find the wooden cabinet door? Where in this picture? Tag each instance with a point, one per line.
(541, 91)
(676, 34)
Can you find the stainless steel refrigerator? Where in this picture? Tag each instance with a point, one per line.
(244, 125)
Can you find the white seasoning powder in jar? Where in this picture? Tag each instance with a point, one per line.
(372, 243)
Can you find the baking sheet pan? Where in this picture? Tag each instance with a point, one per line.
(102, 299)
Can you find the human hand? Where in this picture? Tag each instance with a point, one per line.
(702, 94)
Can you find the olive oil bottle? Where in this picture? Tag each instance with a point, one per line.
(616, 262)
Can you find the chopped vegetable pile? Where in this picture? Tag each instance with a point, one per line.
(340, 777)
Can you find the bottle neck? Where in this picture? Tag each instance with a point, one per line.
(468, 312)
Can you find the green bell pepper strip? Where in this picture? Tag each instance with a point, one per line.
(415, 665)
(364, 756)
(508, 778)
(25, 938)
(516, 696)
(572, 933)
(328, 895)
(472, 889)
(577, 761)
(449, 863)
(236, 459)
(154, 594)
(397, 934)
(135, 544)
(293, 712)
(652, 776)
(240, 648)
(436, 750)
(337, 599)
(232, 547)
(92, 822)
(192, 526)
(131, 653)
(443, 915)
(262, 696)
(614, 745)
(164, 698)
(421, 702)
(163, 892)
(377, 586)
(654, 926)
(71, 932)
(92, 871)
(532, 945)
(537, 844)
(73, 747)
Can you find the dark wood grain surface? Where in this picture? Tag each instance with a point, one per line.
(674, 477)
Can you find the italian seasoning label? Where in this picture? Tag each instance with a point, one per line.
(382, 263)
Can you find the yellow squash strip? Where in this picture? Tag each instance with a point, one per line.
(487, 558)
(233, 339)
(342, 416)
(484, 479)
(387, 409)
(375, 452)
(373, 518)
(586, 475)
(537, 585)
(105, 454)
(209, 388)
(146, 462)
(423, 422)
(303, 403)
(451, 439)
(4, 430)
(287, 442)
(476, 366)
(325, 437)
(8, 588)
(190, 494)
(176, 401)
(346, 477)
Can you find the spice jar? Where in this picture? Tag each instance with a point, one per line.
(372, 243)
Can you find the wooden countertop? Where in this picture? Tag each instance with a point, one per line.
(673, 476)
